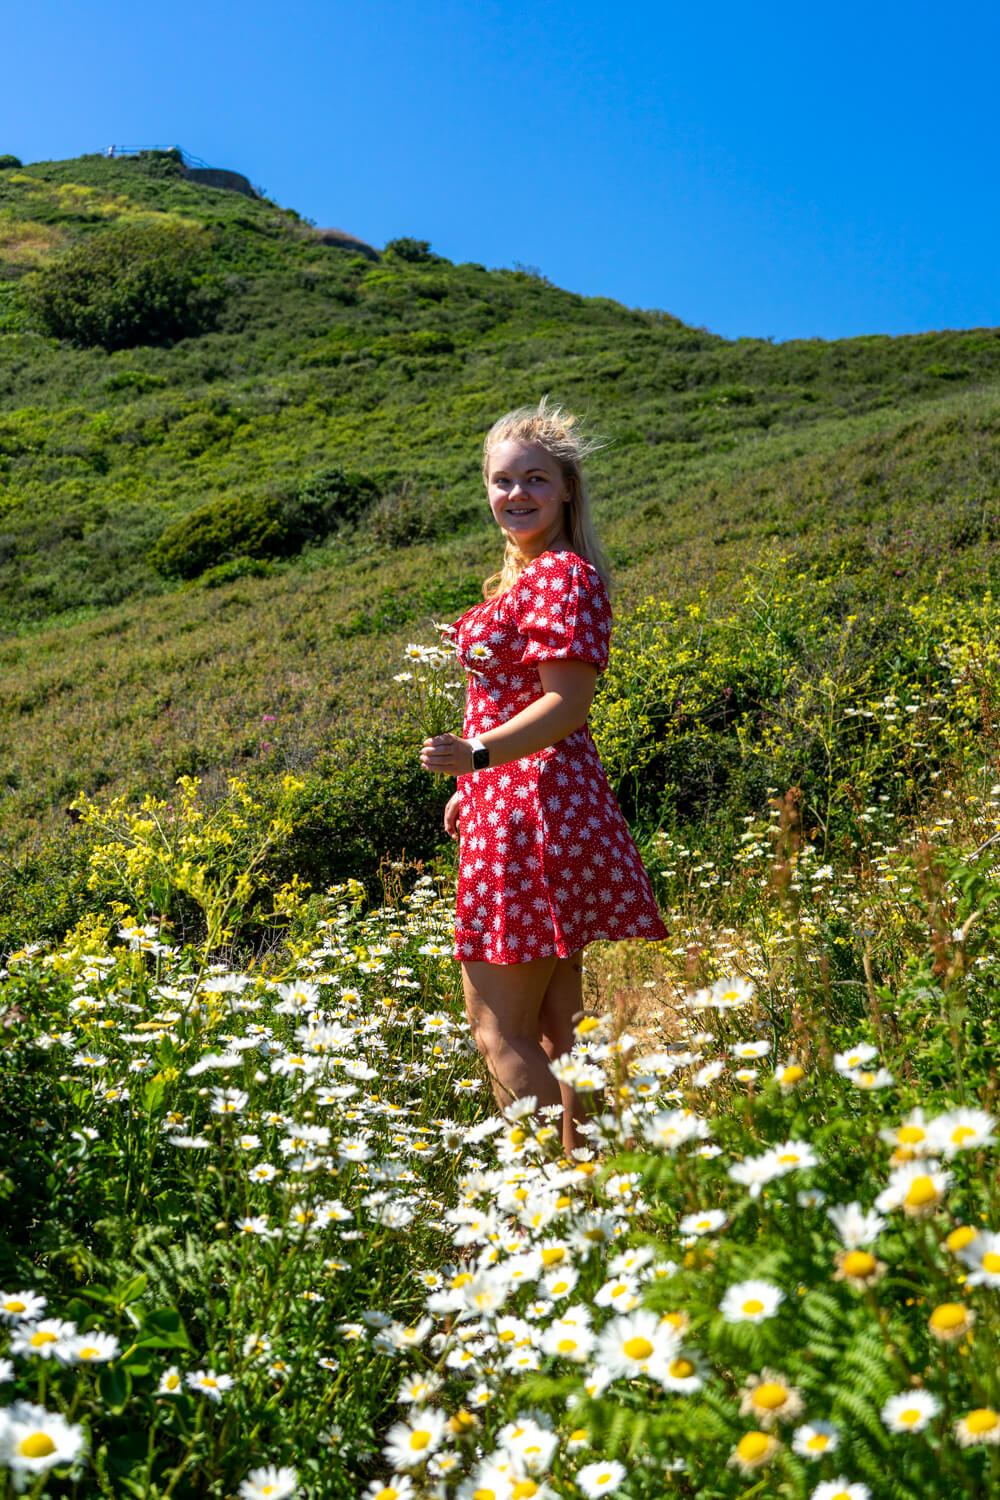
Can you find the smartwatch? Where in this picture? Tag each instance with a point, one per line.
(480, 755)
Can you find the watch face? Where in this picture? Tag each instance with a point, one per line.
(480, 759)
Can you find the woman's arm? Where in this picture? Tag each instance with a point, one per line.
(567, 693)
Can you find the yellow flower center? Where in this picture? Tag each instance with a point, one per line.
(566, 1346)
(753, 1306)
(638, 1348)
(789, 1156)
(770, 1395)
(818, 1442)
(36, 1445)
(211, 1383)
(675, 1319)
(753, 1445)
(15, 1305)
(911, 1416)
(603, 1478)
(703, 1224)
(948, 1316)
(419, 1440)
(859, 1263)
(962, 1133)
(984, 1419)
(579, 1435)
(518, 1136)
(553, 1255)
(558, 1287)
(172, 1382)
(524, 1490)
(920, 1192)
(794, 1074)
(681, 1369)
(991, 1263)
(41, 1338)
(462, 1279)
(89, 1352)
(960, 1237)
(389, 1493)
(840, 1495)
(484, 1495)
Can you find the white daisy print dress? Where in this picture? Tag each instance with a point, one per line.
(547, 864)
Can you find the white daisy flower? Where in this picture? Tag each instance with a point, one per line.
(411, 1442)
(911, 1411)
(95, 1348)
(600, 1478)
(34, 1440)
(707, 1221)
(270, 1483)
(854, 1226)
(51, 1338)
(171, 1382)
(208, 1383)
(751, 1302)
(982, 1256)
(813, 1439)
(840, 1489)
(917, 1187)
(854, 1057)
(21, 1307)
(962, 1130)
(636, 1343)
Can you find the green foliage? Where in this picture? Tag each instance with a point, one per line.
(261, 526)
(142, 284)
(247, 526)
(417, 252)
(7, 161)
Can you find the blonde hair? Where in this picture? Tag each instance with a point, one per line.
(556, 431)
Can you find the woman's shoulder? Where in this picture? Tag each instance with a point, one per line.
(559, 566)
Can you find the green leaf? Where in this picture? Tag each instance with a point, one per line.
(115, 1386)
(163, 1329)
(131, 1290)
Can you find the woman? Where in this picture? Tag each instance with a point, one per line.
(547, 864)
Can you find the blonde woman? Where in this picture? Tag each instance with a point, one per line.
(546, 863)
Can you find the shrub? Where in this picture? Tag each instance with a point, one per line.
(137, 284)
(7, 161)
(251, 526)
(327, 499)
(262, 526)
(416, 251)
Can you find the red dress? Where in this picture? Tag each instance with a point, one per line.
(546, 863)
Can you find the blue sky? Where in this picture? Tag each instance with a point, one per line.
(780, 171)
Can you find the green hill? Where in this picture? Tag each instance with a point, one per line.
(323, 413)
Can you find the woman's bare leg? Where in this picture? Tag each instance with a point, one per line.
(563, 1001)
(503, 1003)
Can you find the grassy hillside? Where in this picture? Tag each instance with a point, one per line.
(870, 462)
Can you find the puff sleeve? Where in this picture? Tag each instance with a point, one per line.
(561, 610)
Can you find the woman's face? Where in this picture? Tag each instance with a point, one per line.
(527, 495)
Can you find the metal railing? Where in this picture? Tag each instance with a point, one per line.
(185, 156)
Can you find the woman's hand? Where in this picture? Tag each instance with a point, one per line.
(451, 815)
(446, 755)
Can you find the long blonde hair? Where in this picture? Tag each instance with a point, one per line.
(556, 431)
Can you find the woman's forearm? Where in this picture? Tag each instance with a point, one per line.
(545, 722)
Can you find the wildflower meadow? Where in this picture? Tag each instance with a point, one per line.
(269, 1236)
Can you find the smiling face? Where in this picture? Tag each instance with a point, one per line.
(527, 495)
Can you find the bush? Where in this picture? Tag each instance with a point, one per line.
(7, 161)
(262, 526)
(418, 252)
(252, 526)
(139, 284)
(327, 499)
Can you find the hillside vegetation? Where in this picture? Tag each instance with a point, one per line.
(214, 547)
